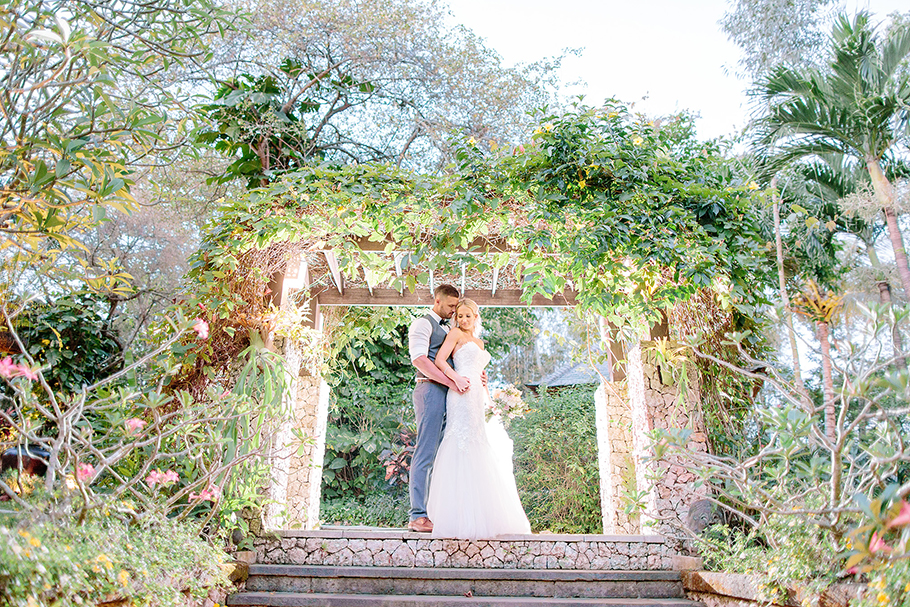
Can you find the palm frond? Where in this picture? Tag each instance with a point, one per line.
(894, 50)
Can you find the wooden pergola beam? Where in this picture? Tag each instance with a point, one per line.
(505, 298)
(478, 245)
(337, 277)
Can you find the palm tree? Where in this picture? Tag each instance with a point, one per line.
(821, 307)
(826, 184)
(858, 106)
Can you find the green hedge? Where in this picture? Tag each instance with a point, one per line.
(556, 462)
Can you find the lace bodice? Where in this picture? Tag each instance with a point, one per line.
(470, 361)
(465, 416)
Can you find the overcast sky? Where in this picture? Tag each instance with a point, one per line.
(664, 55)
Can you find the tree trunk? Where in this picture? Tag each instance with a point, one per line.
(828, 377)
(884, 193)
(785, 302)
(884, 296)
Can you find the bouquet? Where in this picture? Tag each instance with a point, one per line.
(506, 404)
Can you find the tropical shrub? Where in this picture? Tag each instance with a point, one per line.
(555, 460)
(808, 488)
(371, 420)
(157, 562)
(124, 459)
(70, 336)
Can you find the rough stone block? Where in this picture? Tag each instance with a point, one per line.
(363, 559)
(382, 559)
(403, 557)
(313, 543)
(390, 545)
(297, 555)
(333, 546)
(423, 558)
(619, 561)
(357, 545)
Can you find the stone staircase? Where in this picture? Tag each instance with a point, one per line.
(360, 567)
(352, 586)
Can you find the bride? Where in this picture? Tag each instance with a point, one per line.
(472, 490)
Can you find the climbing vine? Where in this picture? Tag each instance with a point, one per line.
(635, 215)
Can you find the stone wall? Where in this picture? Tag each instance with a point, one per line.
(397, 548)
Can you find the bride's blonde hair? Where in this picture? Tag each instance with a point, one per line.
(470, 303)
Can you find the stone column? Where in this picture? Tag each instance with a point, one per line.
(299, 448)
(305, 474)
(639, 412)
(614, 452)
(657, 404)
(282, 448)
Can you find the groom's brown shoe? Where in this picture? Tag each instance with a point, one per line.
(421, 525)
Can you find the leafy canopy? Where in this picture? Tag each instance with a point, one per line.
(636, 215)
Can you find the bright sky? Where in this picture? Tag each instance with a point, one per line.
(670, 52)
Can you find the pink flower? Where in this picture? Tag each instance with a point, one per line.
(211, 493)
(903, 516)
(201, 328)
(133, 424)
(520, 149)
(157, 477)
(27, 373)
(8, 369)
(877, 543)
(84, 472)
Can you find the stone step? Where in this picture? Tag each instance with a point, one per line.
(300, 599)
(560, 583)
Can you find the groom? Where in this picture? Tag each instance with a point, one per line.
(424, 340)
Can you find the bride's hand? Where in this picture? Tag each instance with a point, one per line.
(462, 383)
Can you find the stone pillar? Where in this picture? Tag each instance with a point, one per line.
(656, 403)
(305, 474)
(615, 461)
(641, 425)
(282, 448)
(299, 448)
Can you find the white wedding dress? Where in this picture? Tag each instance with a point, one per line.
(472, 489)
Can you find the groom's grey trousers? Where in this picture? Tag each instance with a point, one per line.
(430, 412)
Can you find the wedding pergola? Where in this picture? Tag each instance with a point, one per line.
(629, 403)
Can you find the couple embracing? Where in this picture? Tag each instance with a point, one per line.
(460, 487)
